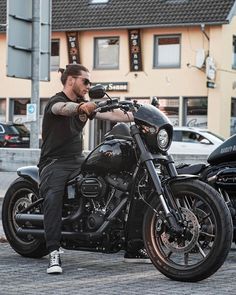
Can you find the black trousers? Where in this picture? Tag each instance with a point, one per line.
(53, 178)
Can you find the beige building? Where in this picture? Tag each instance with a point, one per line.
(182, 52)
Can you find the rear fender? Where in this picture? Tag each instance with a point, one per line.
(30, 173)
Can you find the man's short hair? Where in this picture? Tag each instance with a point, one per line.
(72, 70)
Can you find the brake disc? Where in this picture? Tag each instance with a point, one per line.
(182, 244)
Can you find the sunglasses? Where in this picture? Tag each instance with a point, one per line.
(86, 81)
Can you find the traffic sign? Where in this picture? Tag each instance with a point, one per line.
(20, 40)
(31, 112)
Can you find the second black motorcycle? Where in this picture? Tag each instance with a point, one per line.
(127, 193)
(220, 173)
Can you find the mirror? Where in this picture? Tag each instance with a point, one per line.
(204, 141)
(97, 92)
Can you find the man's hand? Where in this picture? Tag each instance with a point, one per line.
(88, 108)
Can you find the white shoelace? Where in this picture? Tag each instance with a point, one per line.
(55, 258)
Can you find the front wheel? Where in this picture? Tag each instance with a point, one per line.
(206, 240)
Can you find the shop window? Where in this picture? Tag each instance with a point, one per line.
(20, 106)
(234, 53)
(55, 58)
(43, 103)
(170, 107)
(196, 112)
(106, 53)
(139, 99)
(167, 51)
(233, 116)
(3, 109)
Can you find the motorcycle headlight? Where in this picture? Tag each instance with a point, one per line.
(163, 139)
(158, 140)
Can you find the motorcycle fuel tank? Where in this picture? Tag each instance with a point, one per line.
(225, 152)
(113, 156)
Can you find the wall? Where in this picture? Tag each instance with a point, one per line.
(219, 99)
(11, 159)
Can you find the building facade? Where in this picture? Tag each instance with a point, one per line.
(181, 52)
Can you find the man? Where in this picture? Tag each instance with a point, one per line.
(65, 115)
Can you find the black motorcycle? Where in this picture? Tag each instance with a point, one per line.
(220, 173)
(121, 199)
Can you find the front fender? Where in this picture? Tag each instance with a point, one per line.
(181, 177)
(30, 173)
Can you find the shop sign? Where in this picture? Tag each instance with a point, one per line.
(114, 86)
(73, 47)
(135, 50)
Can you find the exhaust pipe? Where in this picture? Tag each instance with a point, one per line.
(32, 219)
(37, 220)
(39, 234)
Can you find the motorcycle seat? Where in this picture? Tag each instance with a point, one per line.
(190, 168)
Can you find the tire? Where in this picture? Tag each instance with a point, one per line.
(21, 194)
(202, 252)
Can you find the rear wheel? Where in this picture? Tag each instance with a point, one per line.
(204, 245)
(19, 196)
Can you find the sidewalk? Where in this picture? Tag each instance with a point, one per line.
(6, 178)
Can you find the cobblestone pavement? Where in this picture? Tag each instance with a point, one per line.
(95, 273)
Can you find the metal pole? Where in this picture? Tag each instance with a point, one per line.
(35, 98)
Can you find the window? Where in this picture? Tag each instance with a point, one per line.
(233, 116)
(20, 106)
(106, 53)
(234, 53)
(43, 103)
(167, 51)
(3, 107)
(55, 59)
(196, 111)
(170, 107)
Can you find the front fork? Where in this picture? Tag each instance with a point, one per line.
(147, 158)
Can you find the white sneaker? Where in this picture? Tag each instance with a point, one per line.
(54, 266)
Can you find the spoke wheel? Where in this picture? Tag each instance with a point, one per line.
(206, 239)
(19, 196)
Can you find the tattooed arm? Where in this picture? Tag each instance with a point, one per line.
(65, 108)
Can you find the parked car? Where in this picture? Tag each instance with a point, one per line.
(14, 135)
(191, 140)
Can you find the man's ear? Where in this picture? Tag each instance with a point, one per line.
(70, 80)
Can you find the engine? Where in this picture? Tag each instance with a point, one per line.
(90, 199)
(92, 187)
(100, 197)
(93, 192)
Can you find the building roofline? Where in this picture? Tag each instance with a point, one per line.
(141, 26)
(232, 12)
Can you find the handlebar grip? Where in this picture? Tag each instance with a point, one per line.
(102, 104)
(107, 108)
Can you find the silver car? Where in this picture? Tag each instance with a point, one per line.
(191, 140)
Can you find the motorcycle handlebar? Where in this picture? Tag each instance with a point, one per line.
(106, 108)
(109, 105)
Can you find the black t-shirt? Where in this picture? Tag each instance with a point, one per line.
(61, 135)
